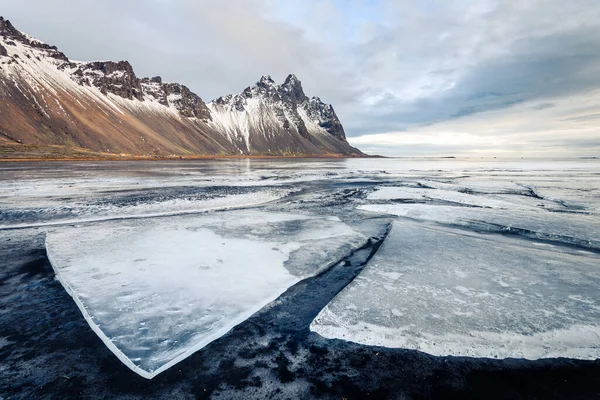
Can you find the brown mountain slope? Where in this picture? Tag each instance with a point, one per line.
(47, 99)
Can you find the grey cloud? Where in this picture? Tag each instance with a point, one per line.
(539, 68)
(583, 118)
(543, 106)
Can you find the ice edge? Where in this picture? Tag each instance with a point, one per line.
(332, 333)
(124, 359)
(218, 334)
(200, 210)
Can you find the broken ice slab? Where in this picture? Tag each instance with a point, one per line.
(520, 199)
(412, 193)
(157, 290)
(49, 211)
(449, 292)
(570, 228)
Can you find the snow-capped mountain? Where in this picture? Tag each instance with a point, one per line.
(48, 99)
(280, 118)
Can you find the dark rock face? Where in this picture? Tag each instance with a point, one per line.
(266, 86)
(3, 51)
(292, 95)
(10, 34)
(110, 77)
(120, 79)
(189, 104)
(326, 116)
(292, 91)
(153, 87)
(7, 30)
(223, 100)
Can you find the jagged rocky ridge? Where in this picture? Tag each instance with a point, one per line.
(48, 99)
(273, 116)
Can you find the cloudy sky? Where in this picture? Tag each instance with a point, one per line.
(406, 77)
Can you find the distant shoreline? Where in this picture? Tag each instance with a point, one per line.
(10, 152)
(182, 158)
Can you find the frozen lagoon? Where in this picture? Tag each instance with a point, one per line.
(549, 207)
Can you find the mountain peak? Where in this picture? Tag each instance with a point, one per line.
(292, 88)
(7, 29)
(266, 80)
(10, 34)
(291, 79)
(278, 108)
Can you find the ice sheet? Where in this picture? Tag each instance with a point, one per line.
(449, 292)
(156, 290)
(411, 193)
(575, 229)
(71, 212)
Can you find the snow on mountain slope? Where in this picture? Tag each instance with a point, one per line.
(47, 99)
(272, 118)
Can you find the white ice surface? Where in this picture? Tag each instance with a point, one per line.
(411, 193)
(156, 290)
(583, 230)
(449, 292)
(176, 206)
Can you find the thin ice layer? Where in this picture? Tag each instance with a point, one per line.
(411, 193)
(447, 292)
(58, 212)
(576, 229)
(157, 290)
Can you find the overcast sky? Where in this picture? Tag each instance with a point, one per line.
(406, 77)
